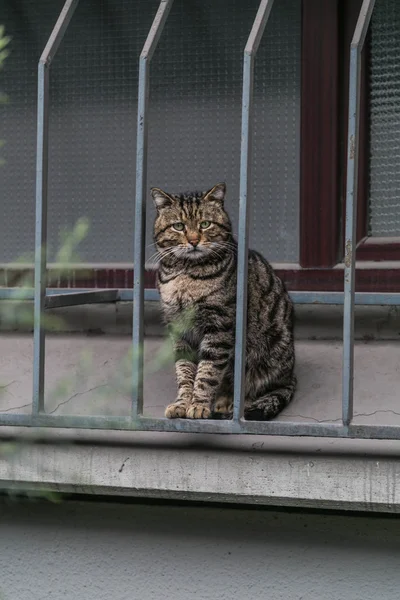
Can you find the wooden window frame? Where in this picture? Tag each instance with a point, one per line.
(327, 32)
(319, 171)
(369, 248)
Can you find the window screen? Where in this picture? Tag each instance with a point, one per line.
(384, 206)
(194, 135)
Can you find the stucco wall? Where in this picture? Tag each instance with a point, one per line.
(85, 551)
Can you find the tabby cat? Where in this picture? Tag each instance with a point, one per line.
(197, 272)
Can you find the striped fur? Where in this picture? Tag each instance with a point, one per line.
(197, 282)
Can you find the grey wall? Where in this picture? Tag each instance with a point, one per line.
(116, 552)
(195, 118)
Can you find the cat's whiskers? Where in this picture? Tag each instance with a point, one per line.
(214, 252)
(154, 257)
(177, 251)
(226, 244)
(160, 254)
(220, 248)
(216, 249)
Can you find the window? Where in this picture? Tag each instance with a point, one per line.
(327, 33)
(299, 155)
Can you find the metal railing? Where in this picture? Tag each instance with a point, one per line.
(45, 298)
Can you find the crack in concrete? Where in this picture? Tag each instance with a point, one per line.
(371, 414)
(123, 464)
(3, 388)
(5, 410)
(96, 387)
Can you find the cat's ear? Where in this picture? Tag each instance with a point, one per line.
(217, 193)
(161, 199)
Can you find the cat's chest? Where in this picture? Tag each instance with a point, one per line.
(180, 290)
(184, 290)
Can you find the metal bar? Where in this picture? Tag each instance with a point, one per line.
(329, 298)
(276, 428)
(361, 298)
(41, 201)
(351, 208)
(40, 238)
(152, 295)
(79, 298)
(140, 204)
(58, 32)
(244, 203)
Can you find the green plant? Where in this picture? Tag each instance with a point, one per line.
(4, 52)
(4, 41)
(19, 310)
(77, 382)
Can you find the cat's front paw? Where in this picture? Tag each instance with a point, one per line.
(198, 411)
(223, 408)
(224, 405)
(176, 410)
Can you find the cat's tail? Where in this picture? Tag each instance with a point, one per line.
(264, 408)
(269, 405)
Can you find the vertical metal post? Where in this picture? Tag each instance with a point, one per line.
(140, 204)
(41, 202)
(351, 207)
(40, 237)
(244, 202)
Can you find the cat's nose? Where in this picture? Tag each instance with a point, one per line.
(194, 241)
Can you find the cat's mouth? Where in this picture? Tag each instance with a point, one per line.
(194, 252)
(186, 252)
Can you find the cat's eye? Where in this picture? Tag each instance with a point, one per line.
(178, 226)
(205, 224)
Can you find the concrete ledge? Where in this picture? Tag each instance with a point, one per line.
(320, 322)
(234, 471)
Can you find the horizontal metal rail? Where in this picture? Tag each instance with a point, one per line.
(277, 427)
(79, 298)
(152, 295)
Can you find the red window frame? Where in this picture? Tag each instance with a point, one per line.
(327, 32)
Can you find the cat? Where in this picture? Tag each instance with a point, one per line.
(197, 273)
